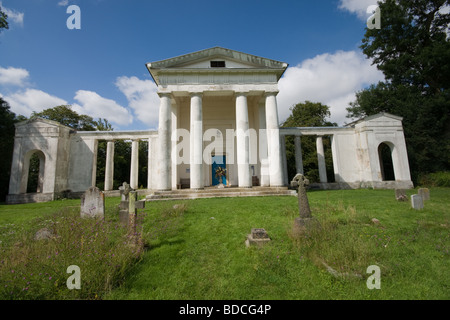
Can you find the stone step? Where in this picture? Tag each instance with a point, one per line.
(176, 195)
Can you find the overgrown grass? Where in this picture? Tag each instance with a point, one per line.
(196, 250)
(37, 269)
(438, 179)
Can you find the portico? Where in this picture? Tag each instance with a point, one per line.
(229, 99)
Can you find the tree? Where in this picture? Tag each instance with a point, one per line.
(7, 131)
(412, 49)
(66, 116)
(309, 114)
(3, 22)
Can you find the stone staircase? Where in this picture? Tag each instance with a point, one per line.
(214, 192)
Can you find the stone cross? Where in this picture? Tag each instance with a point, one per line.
(303, 205)
(306, 220)
(93, 203)
(128, 210)
(124, 191)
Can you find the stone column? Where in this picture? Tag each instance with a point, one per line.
(243, 141)
(273, 140)
(298, 154)
(149, 164)
(321, 160)
(164, 150)
(109, 169)
(196, 141)
(263, 157)
(134, 172)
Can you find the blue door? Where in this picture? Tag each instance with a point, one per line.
(218, 161)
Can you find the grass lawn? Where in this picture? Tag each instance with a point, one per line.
(197, 250)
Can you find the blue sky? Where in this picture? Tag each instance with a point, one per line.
(100, 69)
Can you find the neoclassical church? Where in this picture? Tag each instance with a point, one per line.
(218, 109)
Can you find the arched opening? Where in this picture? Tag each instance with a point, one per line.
(386, 163)
(35, 172)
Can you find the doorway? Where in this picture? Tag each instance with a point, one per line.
(216, 163)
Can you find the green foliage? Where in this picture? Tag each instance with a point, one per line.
(412, 48)
(66, 116)
(413, 51)
(309, 114)
(7, 131)
(3, 22)
(438, 179)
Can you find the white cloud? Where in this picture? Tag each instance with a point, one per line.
(63, 3)
(13, 76)
(26, 101)
(13, 15)
(358, 7)
(332, 79)
(142, 98)
(94, 105)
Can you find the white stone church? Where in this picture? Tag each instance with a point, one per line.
(218, 108)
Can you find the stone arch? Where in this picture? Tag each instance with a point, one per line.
(387, 163)
(27, 172)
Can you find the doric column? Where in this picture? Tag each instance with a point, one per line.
(196, 141)
(273, 140)
(264, 161)
(243, 141)
(164, 150)
(321, 160)
(134, 171)
(109, 169)
(150, 164)
(298, 154)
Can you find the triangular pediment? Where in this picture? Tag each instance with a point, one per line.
(232, 59)
(215, 60)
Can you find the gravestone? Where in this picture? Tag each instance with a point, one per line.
(128, 210)
(306, 220)
(400, 195)
(258, 237)
(416, 202)
(125, 190)
(424, 193)
(93, 203)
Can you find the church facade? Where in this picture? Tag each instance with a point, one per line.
(218, 110)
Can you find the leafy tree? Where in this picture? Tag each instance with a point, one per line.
(7, 131)
(412, 49)
(309, 114)
(3, 22)
(66, 116)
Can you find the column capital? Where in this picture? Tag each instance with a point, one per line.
(196, 94)
(270, 93)
(241, 93)
(165, 94)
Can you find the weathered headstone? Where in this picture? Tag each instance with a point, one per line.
(258, 236)
(124, 191)
(93, 203)
(400, 195)
(123, 206)
(424, 193)
(416, 202)
(43, 234)
(306, 220)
